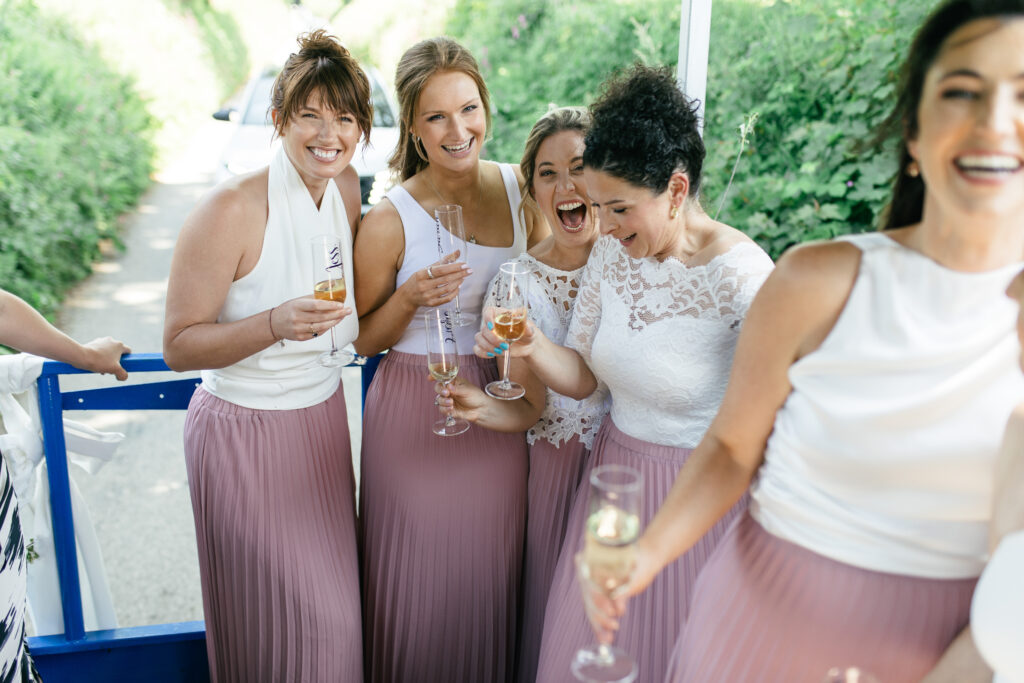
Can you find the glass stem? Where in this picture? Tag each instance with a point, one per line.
(449, 419)
(334, 347)
(505, 383)
(604, 653)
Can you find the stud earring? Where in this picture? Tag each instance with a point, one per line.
(913, 170)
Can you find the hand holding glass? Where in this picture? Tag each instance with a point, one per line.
(329, 279)
(510, 307)
(612, 528)
(451, 237)
(443, 361)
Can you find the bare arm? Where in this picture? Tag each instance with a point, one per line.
(23, 328)
(219, 243)
(385, 312)
(961, 663)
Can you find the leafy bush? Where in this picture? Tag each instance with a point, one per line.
(229, 56)
(819, 73)
(75, 152)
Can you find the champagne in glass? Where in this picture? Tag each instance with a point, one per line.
(451, 237)
(443, 361)
(510, 308)
(329, 285)
(612, 528)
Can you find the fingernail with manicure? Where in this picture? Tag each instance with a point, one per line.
(490, 325)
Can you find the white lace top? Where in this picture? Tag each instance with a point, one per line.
(662, 334)
(552, 295)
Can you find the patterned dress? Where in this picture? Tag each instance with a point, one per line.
(16, 664)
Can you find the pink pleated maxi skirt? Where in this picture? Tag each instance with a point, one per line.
(443, 525)
(652, 623)
(273, 501)
(770, 611)
(555, 473)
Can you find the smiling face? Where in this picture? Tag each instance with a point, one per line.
(639, 219)
(970, 139)
(560, 190)
(450, 120)
(320, 142)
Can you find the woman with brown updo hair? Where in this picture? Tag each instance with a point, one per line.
(442, 517)
(266, 438)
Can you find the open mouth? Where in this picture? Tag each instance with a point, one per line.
(571, 215)
(988, 166)
(324, 154)
(461, 148)
(626, 241)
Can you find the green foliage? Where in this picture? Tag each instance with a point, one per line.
(820, 75)
(228, 54)
(75, 152)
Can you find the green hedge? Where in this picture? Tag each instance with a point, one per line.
(75, 153)
(819, 73)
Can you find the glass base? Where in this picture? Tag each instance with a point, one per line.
(603, 664)
(450, 428)
(506, 392)
(336, 358)
(464, 319)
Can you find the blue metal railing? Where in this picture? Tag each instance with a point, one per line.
(159, 653)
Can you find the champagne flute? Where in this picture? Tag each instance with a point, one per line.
(451, 236)
(329, 279)
(612, 528)
(510, 305)
(443, 361)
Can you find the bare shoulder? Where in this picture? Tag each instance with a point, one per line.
(813, 281)
(233, 211)
(381, 236)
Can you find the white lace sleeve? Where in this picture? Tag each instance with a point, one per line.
(586, 315)
(737, 280)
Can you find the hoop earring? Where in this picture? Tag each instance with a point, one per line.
(913, 170)
(416, 145)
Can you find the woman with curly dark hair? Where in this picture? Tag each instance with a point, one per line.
(872, 381)
(663, 296)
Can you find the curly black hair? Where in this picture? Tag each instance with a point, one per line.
(645, 129)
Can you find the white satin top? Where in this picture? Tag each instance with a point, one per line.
(882, 455)
(421, 240)
(286, 375)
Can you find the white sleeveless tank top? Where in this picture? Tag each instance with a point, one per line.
(420, 231)
(882, 455)
(286, 375)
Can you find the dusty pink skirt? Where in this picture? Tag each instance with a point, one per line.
(443, 524)
(649, 629)
(768, 610)
(555, 473)
(273, 501)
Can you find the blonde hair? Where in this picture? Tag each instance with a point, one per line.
(322, 65)
(419, 63)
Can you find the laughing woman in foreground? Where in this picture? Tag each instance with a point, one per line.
(871, 384)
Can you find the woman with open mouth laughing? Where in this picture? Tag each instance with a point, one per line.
(561, 430)
(873, 378)
(664, 293)
(442, 518)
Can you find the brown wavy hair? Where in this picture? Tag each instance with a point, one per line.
(322, 65)
(419, 63)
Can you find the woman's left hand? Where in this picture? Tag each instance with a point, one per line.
(460, 399)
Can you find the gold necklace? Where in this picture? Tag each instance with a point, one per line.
(476, 202)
